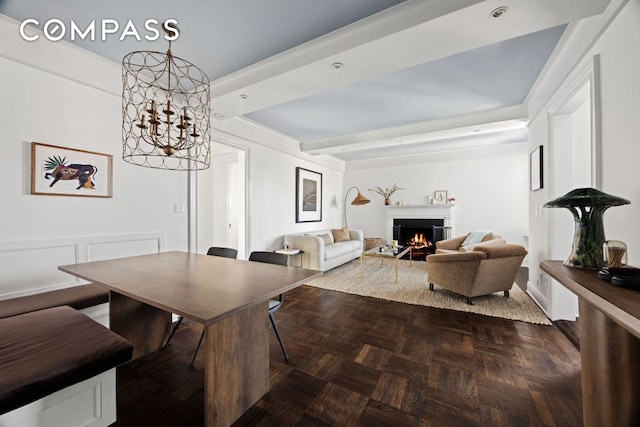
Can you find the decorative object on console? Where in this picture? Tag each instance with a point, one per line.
(587, 206)
(614, 253)
(308, 195)
(440, 197)
(357, 201)
(165, 110)
(387, 192)
(624, 277)
(535, 169)
(61, 171)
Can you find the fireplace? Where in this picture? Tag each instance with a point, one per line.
(420, 235)
(433, 221)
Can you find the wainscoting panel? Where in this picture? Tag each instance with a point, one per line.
(123, 248)
(30, 267)
(27, 270)
(90, 403)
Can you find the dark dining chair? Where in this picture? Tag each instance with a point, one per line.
(280, 259)
(214, 251)
(223, 252)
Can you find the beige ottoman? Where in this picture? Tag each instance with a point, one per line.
(372, 242)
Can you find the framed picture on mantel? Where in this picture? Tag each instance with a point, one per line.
(440, 197)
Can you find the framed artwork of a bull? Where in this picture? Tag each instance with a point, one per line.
(62, 171)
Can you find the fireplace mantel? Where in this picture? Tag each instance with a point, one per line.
(417, 211)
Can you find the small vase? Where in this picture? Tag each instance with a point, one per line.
(387, 201)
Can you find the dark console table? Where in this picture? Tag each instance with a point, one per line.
(609, 346)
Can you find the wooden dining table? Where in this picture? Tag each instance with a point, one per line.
(228, 296)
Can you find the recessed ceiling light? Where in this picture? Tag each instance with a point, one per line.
(337, 65)
(497, 13)
(243, 96)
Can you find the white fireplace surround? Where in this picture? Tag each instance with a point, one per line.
(418, 212)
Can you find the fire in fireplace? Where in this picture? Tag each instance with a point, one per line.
(420, 235)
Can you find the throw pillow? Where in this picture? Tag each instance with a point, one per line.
(326, 238)
(492, 242)
(340, 234)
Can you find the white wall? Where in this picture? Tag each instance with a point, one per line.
(58, 94)
(42, 103)
(490, 186)
(272, 159)
(617, 48)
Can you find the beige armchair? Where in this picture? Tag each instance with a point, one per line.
(485, 270)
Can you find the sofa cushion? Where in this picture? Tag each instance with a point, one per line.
(45, 351)
(78, 297)
(340, 234)
(341, 248)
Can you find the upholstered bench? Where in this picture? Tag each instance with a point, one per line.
(78, 297)
(45, 351)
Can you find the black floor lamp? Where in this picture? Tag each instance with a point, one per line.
(359, 200)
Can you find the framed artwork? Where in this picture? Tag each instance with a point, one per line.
(308, 195)
(440, 197)
(62, 171)
(535, 169)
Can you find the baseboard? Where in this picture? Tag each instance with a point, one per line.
(538, 298)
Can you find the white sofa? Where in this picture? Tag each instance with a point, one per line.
(318, 256)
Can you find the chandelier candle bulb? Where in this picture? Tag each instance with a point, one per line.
(168, 111)
(141, 125)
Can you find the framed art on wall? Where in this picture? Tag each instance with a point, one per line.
(308, 195)
(535, 169)
(62, 171)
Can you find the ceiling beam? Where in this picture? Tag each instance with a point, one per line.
(408, 34)
(474, 124)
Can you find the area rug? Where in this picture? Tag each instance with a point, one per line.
(413, 288)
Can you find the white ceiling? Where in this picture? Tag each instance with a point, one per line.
(417, 76)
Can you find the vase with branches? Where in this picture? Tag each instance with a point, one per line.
(387, 192)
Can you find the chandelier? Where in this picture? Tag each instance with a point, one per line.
(165, 112)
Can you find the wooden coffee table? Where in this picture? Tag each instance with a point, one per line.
(383, 252)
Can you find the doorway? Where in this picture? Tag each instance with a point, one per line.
(222, 200)
(573, 163)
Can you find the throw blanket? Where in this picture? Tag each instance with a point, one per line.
(475, 237)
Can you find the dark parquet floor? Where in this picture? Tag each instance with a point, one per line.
(365, 362)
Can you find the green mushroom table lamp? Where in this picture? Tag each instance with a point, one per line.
(587, 206)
